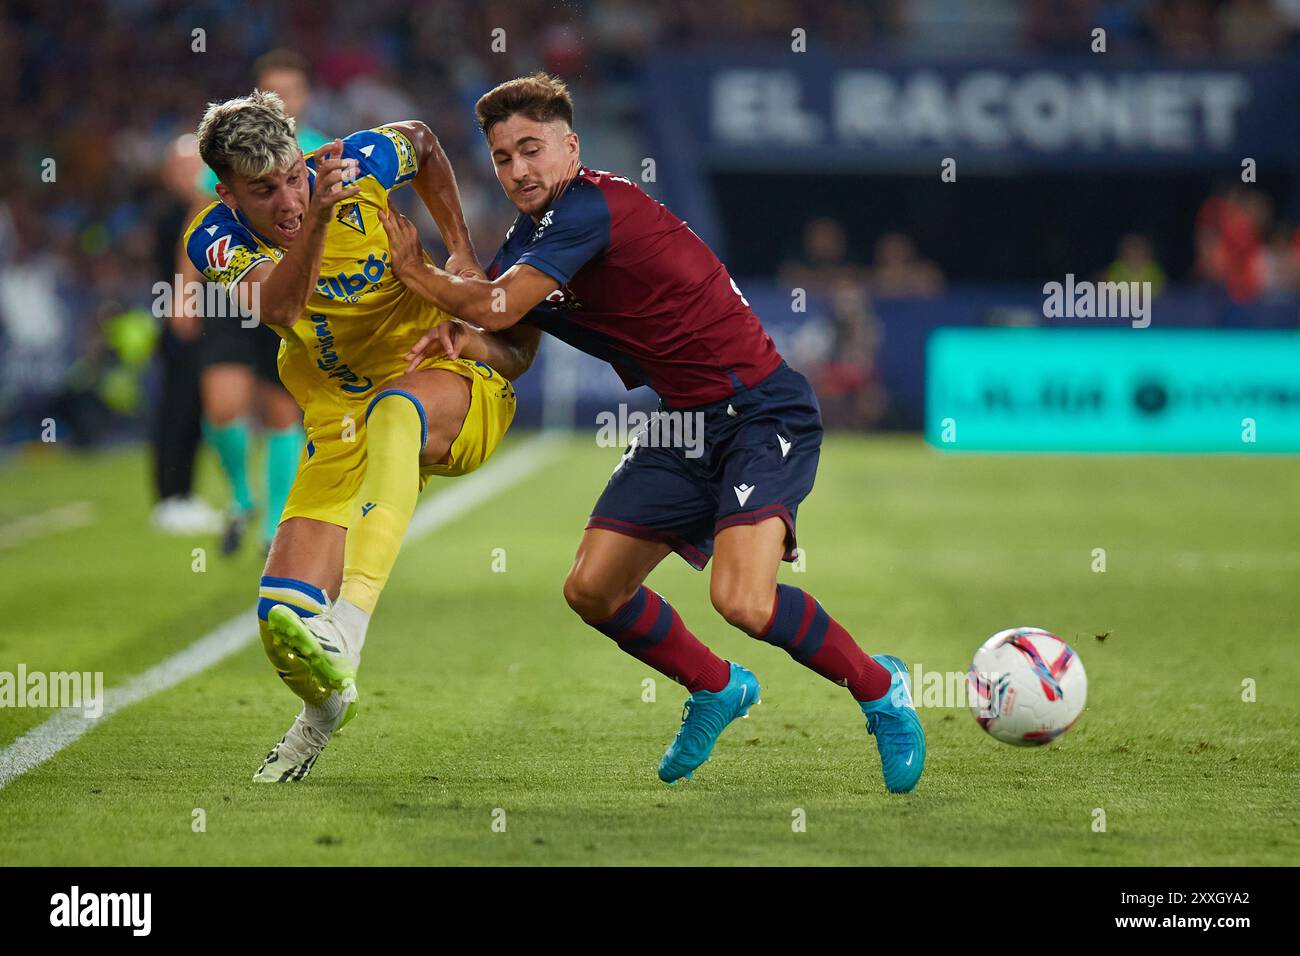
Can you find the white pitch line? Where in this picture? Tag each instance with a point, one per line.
(77, 514)
(63, 729)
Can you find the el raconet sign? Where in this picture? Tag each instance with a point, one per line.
(1096, 111)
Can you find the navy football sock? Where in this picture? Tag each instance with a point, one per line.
(650, 630)
(807, 633)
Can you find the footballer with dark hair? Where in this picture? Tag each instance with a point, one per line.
(596, 262)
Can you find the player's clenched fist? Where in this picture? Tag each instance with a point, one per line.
(333, 174)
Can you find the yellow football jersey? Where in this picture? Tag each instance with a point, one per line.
(360, 320)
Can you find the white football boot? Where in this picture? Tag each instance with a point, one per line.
(318, 659)
(293, 757)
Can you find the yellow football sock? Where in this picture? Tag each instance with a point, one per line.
(395, 434)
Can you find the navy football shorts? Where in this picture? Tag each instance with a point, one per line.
(757, 460)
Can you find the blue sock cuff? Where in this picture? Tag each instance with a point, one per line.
(786, 616)
(306, 600)
(786, 628)
(625, 616)
(424, 422)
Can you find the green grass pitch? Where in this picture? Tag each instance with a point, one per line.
(481, 691)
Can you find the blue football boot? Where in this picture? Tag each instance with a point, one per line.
(705, 718)
(892, 720)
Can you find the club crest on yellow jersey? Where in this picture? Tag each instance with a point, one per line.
(349, 213)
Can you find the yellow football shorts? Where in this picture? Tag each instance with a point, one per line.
(334, 459)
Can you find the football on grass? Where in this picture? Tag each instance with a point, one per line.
(1027, 686)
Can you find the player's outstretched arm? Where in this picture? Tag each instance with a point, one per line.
(435, 183)
(510, 352)
(287, 285)
(493, 305)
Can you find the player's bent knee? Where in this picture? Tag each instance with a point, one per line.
(744, 608)
(581, 599)
(443, 398)
(589, 600)
(400, 394)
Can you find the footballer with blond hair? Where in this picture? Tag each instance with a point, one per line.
(305, 234)
(593, 260)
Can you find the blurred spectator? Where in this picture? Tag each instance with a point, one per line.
(624, 31)
(1251, 29)
(1282, 263)
(842, 364)
(833, 24)
(823, 263)
(1126, 29)
(105, 387)
(898, 271)
(1135, 261)
(375, 98)
(1289, 12)
(1183, 28)
(288, 73)
(1062, 26)
(1229, 247)
(848, 383)
(104, 85)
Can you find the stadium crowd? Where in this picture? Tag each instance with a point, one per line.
(82, 150)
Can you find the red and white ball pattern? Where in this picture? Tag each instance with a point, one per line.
(1028, 686)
